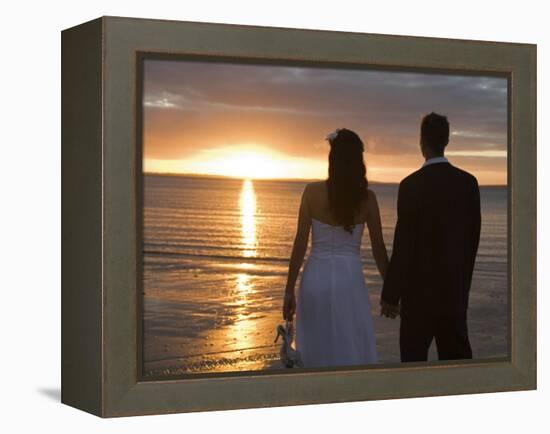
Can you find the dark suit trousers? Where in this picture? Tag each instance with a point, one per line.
(417, 331)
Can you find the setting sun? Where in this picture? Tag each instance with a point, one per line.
(247, 161)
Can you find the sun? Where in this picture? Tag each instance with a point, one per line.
(252, 164)
(242, 161)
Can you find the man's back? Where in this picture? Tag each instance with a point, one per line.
(437, 236)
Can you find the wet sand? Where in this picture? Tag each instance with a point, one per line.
(238, 339)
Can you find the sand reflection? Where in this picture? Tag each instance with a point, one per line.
(243, 330)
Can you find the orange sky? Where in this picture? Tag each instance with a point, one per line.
(265, 121)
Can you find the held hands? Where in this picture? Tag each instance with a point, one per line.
(289, 306)
(388, 310)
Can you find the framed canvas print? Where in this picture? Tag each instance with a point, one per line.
(257, 216)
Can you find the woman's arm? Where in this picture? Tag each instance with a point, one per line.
(375, 231)
(297, 257)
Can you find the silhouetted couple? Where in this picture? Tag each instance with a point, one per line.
(427, 282)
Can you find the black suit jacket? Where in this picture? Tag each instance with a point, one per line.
(436, 241)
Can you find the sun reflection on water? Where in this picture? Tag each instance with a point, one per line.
(242, 332)
(247, 203)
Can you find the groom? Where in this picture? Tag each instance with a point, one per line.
(434, 251)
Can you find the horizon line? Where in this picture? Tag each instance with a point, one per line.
(208, 175)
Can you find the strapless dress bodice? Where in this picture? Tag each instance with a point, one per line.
(330, 240)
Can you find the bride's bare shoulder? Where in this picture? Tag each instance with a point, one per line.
(315, 187)
(316, 184)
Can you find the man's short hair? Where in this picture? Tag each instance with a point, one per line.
(434, 132)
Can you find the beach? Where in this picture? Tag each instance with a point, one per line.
(216, 254)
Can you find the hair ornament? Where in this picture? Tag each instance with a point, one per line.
(332, 136)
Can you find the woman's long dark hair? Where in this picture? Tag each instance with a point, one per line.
(347, 182)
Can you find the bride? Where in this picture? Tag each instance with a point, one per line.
(333, 314)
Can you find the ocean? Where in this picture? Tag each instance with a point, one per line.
(216, 254)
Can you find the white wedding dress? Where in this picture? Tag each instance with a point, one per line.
(333, 314)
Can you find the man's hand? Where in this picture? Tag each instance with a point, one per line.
(388, 310)
(289, 306)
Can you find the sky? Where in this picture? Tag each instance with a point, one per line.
(270, 121)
